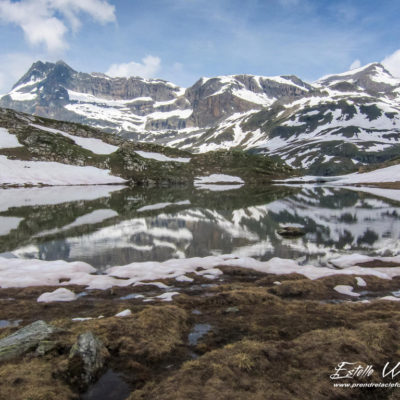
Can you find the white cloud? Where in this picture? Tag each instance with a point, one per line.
(12, 67)
(355, 64)
(44, 21)
(148, 68)
(392, 63)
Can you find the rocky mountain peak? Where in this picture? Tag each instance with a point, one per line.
(346, 117)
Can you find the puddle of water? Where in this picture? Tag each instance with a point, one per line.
(132, 296)
(4, 323)
(109, 387)
(198, 331)
(196, 312)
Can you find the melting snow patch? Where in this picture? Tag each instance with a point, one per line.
(346, 289)
(218, 178)
(183, 278)
(390, 298)
(60, 294)
(161, 157)
(8, 141)
(23, 273)
(361, 282)
(125, 313)
(81, 319)
(16, 172)
(94, 145)
(354, 259)
(167, 296)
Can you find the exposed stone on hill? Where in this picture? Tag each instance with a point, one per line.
(24, 340)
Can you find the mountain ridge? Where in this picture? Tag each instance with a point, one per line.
(334, 125)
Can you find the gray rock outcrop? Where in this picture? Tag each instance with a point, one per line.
(86, 360)
(24, 340)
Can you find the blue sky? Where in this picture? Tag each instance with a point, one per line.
(182, 40)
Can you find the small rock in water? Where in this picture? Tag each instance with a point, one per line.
(86, 360)
(291, 231)
(24, 340)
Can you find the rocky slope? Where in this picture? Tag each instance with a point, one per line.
(335, 125)
(36, 150)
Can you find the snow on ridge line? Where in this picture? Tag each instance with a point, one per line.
(89, 98)
(94, 145)
(217, 178)
(161, 157)
(24, 273)
(17, 172)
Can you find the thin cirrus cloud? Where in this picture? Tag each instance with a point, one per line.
(48, 21)
(148, 68)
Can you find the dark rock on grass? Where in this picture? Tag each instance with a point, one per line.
(86, 360)
(24, 340)
(291, 231)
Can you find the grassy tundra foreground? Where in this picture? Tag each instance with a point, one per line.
(247, 335)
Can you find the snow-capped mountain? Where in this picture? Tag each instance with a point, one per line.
(331, 126)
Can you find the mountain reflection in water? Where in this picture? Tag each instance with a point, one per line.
(108, 226)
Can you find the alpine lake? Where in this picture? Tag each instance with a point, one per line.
(107, 226)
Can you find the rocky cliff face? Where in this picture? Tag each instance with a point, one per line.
(337, 124)
(136, 105)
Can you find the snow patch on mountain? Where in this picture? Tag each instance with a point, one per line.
(161, 157)
(7, 140)
(96, 146)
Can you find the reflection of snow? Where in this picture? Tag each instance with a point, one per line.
(336, 221)
(7, 224)
(22, 197)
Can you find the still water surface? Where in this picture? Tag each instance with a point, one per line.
(108, 225)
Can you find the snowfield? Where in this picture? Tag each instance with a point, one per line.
(217, 178)
(96, 146)
(161, 157)
(8, 141)
(16, 172)
(22, 273)
(388, 174)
